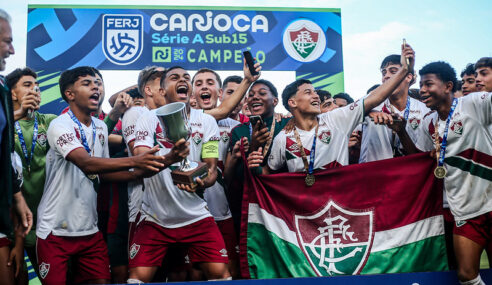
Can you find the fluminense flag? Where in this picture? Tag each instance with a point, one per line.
(377, 217)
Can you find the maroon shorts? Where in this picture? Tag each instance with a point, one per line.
(4, 242)
(202, 238)
(132, 227)
(477, 229)
(90, 255)
(226, 228)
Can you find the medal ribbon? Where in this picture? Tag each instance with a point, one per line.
(405, 115)
(309, 168)
(18, 129)
(82, 133)
(444, 143)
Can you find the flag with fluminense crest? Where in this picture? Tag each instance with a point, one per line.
(371, 218)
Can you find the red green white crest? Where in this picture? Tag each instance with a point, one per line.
(414, 123)
(325, 137)
(335, 240)
(224, 136)
(457, 127)
(197, 137)
(304, 40)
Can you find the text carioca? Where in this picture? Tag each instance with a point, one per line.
(220, 22)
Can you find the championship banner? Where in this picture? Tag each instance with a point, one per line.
(59, 37)
(370, 218)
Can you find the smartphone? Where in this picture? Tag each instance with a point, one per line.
(404, 46)
(255, 119)
(250, 62)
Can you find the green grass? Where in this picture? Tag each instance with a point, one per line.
(484, 261)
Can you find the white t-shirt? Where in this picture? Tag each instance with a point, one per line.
(68, 205)
(468, 157)
(163, 203)
(215, 195)
(335, 128)
(135, 188)
(377, 140)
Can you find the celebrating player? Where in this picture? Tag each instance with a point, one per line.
(206, 88)
(458, 133)
(184, 218)
(76, 162)
(313, 141)
(30, 143)
(379, 142)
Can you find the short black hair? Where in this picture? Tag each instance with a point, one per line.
(69, 77)
(269, 84)
(391, 59)
(233, 78)
(134, 93)
(167, 71)
(14, 77)
(323, 94)
(442, 70)
(207, 70)
(372, 88)
(345, 96)
(469, 70)
(291, 90)
(484, 62)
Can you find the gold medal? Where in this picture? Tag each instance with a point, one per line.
(440, 172)
(310, 180)
(92, 176)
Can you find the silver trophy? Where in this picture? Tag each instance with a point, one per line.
(175, 125)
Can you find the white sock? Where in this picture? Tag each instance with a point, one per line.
(476, 281)
(133, 281)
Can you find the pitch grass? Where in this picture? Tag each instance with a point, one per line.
(484, 261)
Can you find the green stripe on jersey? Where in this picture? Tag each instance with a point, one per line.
(470, 166)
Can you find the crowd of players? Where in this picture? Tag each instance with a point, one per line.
(97, 191)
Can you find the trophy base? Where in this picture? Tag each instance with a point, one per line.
(189, 177)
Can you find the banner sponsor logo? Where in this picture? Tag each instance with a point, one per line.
(122, 38)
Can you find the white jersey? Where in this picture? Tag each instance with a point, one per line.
(377, 140)
(135, 188)
(163, 203)
(468, 157)
(68, 205)
(335, 128)
(215, 195)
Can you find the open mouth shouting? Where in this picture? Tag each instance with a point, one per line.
(205, 96)
(94, 98)
(182, 91)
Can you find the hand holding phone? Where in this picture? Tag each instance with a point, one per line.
(250, 62)
(255, 119)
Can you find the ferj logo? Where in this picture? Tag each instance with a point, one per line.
(304, 40)
(122, 38)
(336, 241)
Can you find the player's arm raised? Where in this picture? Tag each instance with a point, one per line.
(382, 92)
(229, 104)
